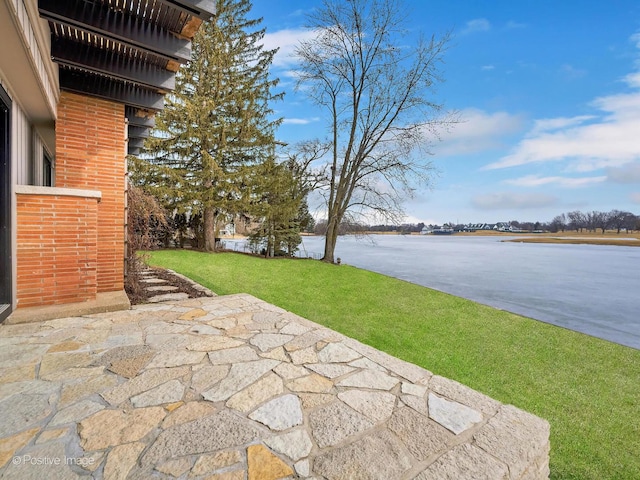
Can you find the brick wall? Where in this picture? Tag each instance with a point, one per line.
(56, 255)
(90, 154)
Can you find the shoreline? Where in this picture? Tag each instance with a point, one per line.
(617, 242)
(610, 238)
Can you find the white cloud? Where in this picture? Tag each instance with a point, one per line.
(478, 131)
(488, 67)
(299, 121)
(513, 200)
(635, 197)
(608, 138)
(609, 141)
(416, 220)
(551, 124)
(627, 173)
(633, 79)
(477, 25)
(286, 40)
(295, 74)
(568, 182)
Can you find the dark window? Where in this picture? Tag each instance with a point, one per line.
(6, 262)
(47, 169)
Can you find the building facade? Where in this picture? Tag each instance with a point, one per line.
(80, 81)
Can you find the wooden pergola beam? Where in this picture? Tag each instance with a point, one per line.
(105, 62)
(103, 87)
(101, 20)
(204, 9)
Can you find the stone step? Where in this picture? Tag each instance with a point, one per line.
(162, 288)
(168, 297)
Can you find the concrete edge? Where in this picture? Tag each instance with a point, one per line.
(65, 192)
(104, 302)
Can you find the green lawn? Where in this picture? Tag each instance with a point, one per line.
(588, 389)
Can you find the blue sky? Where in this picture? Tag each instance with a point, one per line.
(549, 97)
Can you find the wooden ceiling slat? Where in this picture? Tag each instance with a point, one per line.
(103, 87)
(138, 132)
(126, 51)
(140, 118)
(109, 63)
(136, 142)
(103, 21)
(204, 9)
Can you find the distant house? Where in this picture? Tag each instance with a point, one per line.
(473, 227)
(507, 228)
(80, 81)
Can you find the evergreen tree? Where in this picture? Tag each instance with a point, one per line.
(276, 202)
(280, 199)
(218, 123)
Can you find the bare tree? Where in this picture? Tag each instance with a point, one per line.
(619, 220)
(374, 86)
(577, 220)
(558, 223)
(632, 222)
(598, 220)
(301, 160)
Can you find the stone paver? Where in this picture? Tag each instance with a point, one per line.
(188, 412)
(76, 412)
(169, 392)
(240, 376)
(369, 379)
(465, 462)
(162, 288)
(330, 371)
(378, 456)
(230, 388)
(219, 431)
(313, 383)
(255, 394)
(452, 415)
(376, 406)
(216, 461)
(109, 428)
(335, 422)
(265, 465)
(269, 341)
(295, 444)
(280, 413)
(168, 297)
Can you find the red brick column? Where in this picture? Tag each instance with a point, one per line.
(90, 154)
(56, 254)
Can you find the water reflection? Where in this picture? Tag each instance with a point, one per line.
(587, 288)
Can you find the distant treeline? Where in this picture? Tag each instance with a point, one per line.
(350, 227)
(592, 221)
(578, 221)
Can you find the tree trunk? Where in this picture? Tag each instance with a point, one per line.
(209, 229)
(330, 241)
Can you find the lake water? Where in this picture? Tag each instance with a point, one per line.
(593, 289)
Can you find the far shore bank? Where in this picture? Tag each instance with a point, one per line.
(630, 241)
(610, 237)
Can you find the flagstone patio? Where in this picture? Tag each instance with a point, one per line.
(232, 387)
